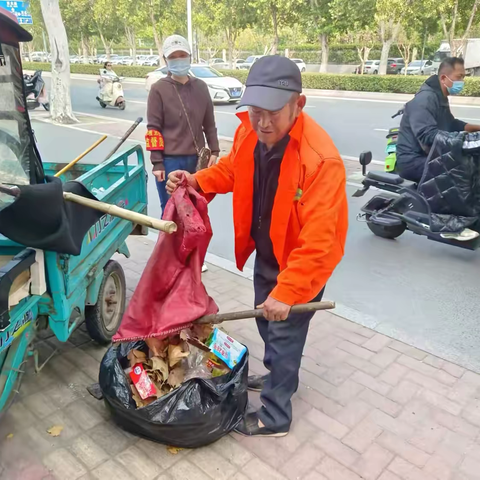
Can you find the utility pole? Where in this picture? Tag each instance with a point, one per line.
(189, 24)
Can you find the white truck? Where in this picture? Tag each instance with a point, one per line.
(470, 52)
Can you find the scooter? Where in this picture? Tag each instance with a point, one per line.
(398, 207)
(35, 91)
(111, 91)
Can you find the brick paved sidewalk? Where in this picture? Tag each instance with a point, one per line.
(367, 407)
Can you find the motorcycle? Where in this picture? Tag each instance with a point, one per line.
(35, 91)
(111, 90)
(399, 207)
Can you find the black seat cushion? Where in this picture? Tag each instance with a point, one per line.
(385, 177)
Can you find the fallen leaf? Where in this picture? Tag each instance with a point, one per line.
(176, 377)
(202, 332)
(174, 450)
(161, 365)
(157, 346)
(136, 356)
(55, 431)
(175, 354)
(136, 396)
(9, 436)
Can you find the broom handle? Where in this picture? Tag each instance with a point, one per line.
(73, 162)
(139, 218)
(226, 317)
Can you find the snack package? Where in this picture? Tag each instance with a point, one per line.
(142, 382)
(226, 348)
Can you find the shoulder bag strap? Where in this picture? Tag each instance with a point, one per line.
(188, 120)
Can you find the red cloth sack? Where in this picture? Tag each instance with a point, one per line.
(170, 294)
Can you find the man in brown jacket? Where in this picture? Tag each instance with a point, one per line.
(180, 116)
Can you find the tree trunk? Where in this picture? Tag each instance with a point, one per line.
(384, 56)
(84, 49)
(156, 36)
(60, 99)
(275, 29)
(463, 46)
(106, 45)
(132, 42)
(325, 51)
(230, 43)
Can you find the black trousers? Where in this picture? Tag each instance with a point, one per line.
(284, 344)
(413, 170)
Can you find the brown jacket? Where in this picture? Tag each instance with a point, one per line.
(165, 115)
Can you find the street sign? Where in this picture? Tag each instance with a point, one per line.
(19, 9)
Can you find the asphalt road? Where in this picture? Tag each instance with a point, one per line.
(415, 290)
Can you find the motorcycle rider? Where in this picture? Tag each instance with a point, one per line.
(428, 113)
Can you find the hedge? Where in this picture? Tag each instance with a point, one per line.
(88, 69)
(321, 81)
(366, 83)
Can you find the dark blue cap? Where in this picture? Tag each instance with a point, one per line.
(271, 82)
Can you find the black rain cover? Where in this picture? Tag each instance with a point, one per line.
(197, 413)
(451, 182)
(41, 218)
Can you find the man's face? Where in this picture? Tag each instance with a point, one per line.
(271, 127)
(458, 73)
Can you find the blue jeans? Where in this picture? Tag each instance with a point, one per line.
(180, 162)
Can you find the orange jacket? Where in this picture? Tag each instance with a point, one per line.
(309, 217)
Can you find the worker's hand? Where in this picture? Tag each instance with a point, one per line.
(212, 161)
(159, 175)
(175, 177)
(274, 310)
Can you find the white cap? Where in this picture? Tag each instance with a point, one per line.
(175, 43)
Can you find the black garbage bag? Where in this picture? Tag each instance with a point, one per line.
(197, 413)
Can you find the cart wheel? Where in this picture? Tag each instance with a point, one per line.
(103, 319)
(122, 105)
(386, 232)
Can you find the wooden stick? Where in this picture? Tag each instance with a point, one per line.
(137, 122)
(226, 317)
(87, 151)
(162, 225)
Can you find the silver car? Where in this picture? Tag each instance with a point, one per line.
(419, 67)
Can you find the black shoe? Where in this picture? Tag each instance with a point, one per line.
(256, 382)
(249, 427)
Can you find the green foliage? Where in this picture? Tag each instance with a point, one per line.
(121, 70)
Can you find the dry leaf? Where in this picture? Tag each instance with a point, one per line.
(136, 396)
(202, 332)
(174, 450)
(9, 436)
(175, 354)
(55, 431)
(176, 377)
(159, 364)
(157, 346)
(136, 356)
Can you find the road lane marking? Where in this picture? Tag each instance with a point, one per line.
(380, 129)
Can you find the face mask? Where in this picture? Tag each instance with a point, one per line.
(179, 66)
(456, 88)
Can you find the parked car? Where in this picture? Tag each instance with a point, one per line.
(238, 63)
(222, 89)
(141, 59)
(39, 57)
(395, 65)
(128, 61)
(372, 67)
(300, 64)
(218, 63)
(419, 67)
(117, 60)
(247, 65)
